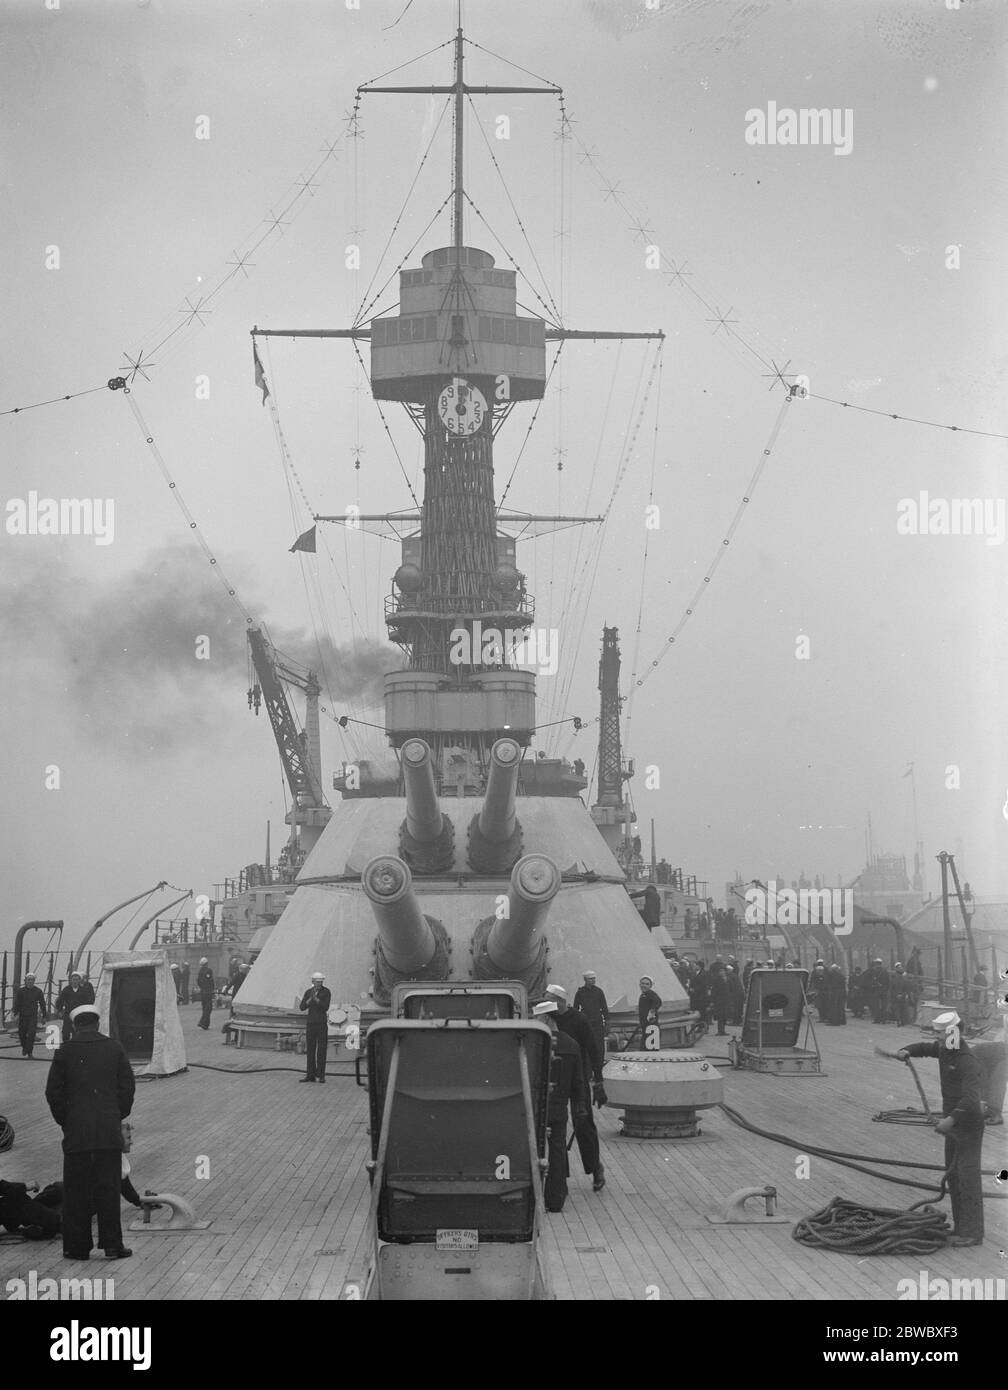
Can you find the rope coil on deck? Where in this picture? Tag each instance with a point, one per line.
(853, 1229)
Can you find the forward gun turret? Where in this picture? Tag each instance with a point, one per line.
(495, 837)
(511, 944)
(426, 836)
(410, 945)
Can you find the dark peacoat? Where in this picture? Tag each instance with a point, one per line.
(90, 1091)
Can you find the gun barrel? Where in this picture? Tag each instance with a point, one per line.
(424, 820)
(497, 817)
(514, 941)
(406, 936)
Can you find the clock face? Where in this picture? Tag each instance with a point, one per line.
(461, 407)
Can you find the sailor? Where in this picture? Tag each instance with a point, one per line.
(699, 992)
(78, 991)
(962, 1123)
(647, 1005)
(877, 991)
(836, 995)
(90, 1092)
(747, 970)
(736, 996)
(915, 976)
(592, 1060)
(900, 995)
(29, 1008)
(993, 1060)
(817, 988)
(184, 972)
(176, 975)
(316, 1000)
(205, 988)
(567, 1090)
(719, 996)
(590, 1002)
(857, 997)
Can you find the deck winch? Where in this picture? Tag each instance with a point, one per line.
(661, 1092)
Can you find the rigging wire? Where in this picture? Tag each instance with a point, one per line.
(548, 311)
(595, 553)
(365, 312)
(183, 508)
(726, 542)
(521, 224)
(72, 396)
(647, 538)
(381, 412)
(535, 417)
(402, 210)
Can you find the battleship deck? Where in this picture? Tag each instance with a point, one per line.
(287, 1194)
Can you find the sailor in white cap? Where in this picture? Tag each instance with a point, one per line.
(590, 1002)
(567, 1089)
(78, 991)
(205, 989)
(647, 1005)
(29, 1008)
(576, 1028)
(90, 1092)
(962, 1123)
(316, 1000)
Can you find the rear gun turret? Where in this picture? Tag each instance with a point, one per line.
(410, 945)
(426, 836)
(495, 836)
(511, 944)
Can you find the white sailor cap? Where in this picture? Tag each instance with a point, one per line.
(949, 1020)
(82, 1009)
(557, 991)
(318, 975)
(548, 1006)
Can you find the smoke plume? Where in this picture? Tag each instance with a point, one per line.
(126, 655)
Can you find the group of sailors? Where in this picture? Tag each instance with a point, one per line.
(29, 1008)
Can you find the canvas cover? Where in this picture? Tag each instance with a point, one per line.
(168, 1052)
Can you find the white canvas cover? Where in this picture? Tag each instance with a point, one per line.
(169, 1054)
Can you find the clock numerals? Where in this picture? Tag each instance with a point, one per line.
(461, 408)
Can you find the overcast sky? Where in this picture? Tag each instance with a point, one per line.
(837, 264)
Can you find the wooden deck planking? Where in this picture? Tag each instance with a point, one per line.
(287, 1183)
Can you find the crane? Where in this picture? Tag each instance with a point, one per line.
(611, 811)
(300, 753)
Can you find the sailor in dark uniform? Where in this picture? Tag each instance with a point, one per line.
(316, 1000)
(29, 1007)
(590, 1001)
(90, 1092)
(962, 1125)
(576, 1028)
(205, 987)
(567, 1091)
(836, 994)
(647, 1005)
(79, 991)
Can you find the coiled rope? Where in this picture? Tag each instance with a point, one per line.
(853, 1229)
(6, 1134)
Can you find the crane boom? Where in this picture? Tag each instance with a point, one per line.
(298, 759)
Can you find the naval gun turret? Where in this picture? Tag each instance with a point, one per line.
(427, 836)
(511, 944)
(495, 835)
(410, 945)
